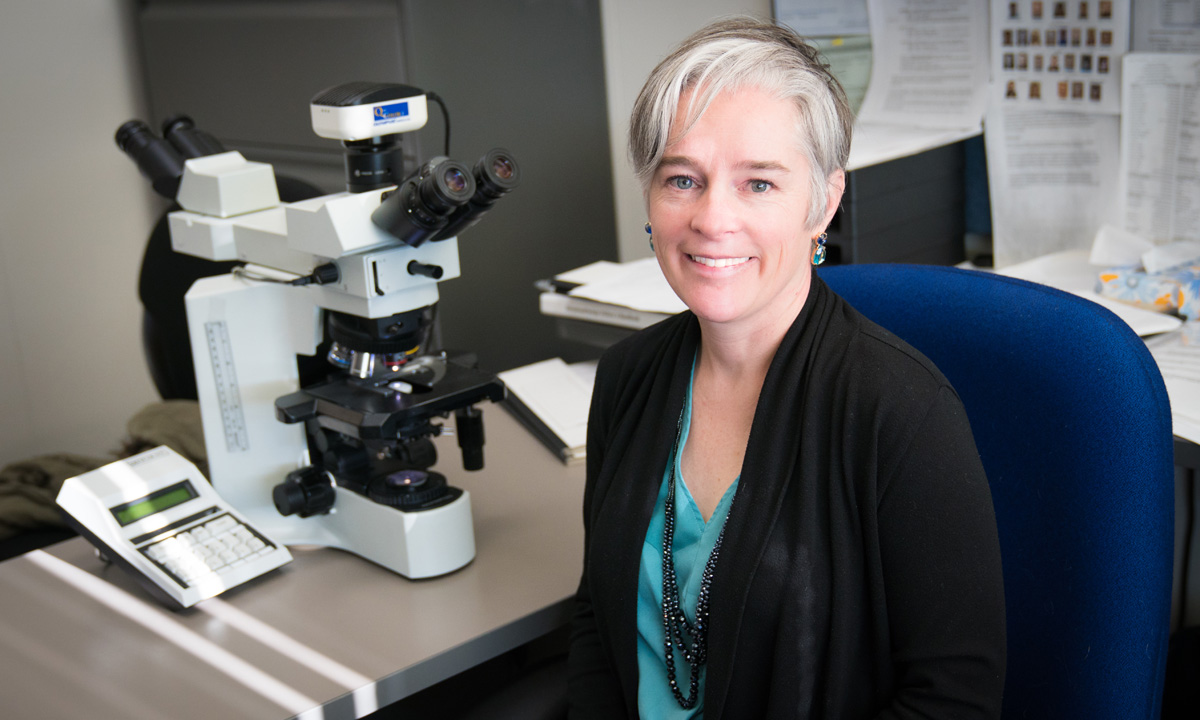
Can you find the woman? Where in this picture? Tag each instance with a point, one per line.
(785, 512)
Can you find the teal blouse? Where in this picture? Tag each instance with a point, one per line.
(693, 543)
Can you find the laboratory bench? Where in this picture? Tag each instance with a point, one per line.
(329, 635)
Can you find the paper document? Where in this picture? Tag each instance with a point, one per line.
(877, 143)
(1052, 178)
(1178, 358)
(930, 64)
(1166, 26)
(552, 400)
(1114, 247)
(639, 284)
(561, 305)
(1159, 182)
(585, 371)
(1071, 272)
(593, 272)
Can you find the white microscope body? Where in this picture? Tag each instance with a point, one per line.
(304, 261)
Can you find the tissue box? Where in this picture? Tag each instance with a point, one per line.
(1174, 290)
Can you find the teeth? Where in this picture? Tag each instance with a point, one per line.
(718, 262)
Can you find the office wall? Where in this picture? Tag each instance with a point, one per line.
(526, 75)
(73, 220)
(637, 35)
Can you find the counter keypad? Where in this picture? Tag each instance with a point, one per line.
(216, 546)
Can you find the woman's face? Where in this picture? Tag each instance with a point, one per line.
(729, 210)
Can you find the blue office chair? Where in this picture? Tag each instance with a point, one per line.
(1073, 425)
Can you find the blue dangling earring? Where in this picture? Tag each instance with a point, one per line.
(818, 255)
(651, 234)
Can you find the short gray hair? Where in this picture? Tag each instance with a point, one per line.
(737, 53)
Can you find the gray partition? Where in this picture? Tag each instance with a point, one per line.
(908, 210)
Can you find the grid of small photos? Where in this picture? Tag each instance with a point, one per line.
(1061, 52)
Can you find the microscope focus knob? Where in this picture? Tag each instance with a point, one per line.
(307, 491)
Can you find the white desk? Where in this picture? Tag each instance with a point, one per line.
(67, 654)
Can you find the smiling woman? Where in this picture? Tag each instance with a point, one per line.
(729, 206)
(772, 477)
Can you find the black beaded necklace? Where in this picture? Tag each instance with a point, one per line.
(675, 623)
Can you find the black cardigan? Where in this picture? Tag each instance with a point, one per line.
(860, 574)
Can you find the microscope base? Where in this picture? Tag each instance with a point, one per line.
(421, 544)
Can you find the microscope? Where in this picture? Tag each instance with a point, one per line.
(345, 462)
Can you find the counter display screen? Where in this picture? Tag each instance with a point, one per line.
(154, 502)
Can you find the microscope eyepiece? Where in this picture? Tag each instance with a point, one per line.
(495, 174)
(161, 159)
(156, 158)
(132, 133)
(455, 179)
(444, 185)
(420, 209)
(191, 142)
(503, 167)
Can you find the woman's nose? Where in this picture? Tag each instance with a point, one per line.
(716, 212)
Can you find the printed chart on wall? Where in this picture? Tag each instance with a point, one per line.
(1166, 26)
(1060, 54)
(1052, 178)
(1159, 183)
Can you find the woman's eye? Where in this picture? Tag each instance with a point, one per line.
(759, 186)
(681, 182)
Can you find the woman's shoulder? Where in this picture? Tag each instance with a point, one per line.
(651, 345)
(873, 354)
(643, 365)
(895, 390)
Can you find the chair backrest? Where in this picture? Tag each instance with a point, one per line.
(1073, 425)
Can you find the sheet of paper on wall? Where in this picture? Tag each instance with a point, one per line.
(1178, 358)
(1052, 178)
(1059, 55)
(1166, 26)
(1159, 182)
(930, 64)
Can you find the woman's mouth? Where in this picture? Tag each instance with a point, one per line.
(718, 262)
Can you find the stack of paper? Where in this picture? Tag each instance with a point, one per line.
(552, 399)
(1072, 271)
(1174, 344)
(629, 295)
(1178, 358)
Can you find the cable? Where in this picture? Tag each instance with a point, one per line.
(445, 118)
(321, 275)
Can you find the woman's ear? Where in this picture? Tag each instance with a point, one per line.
(835, 186)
